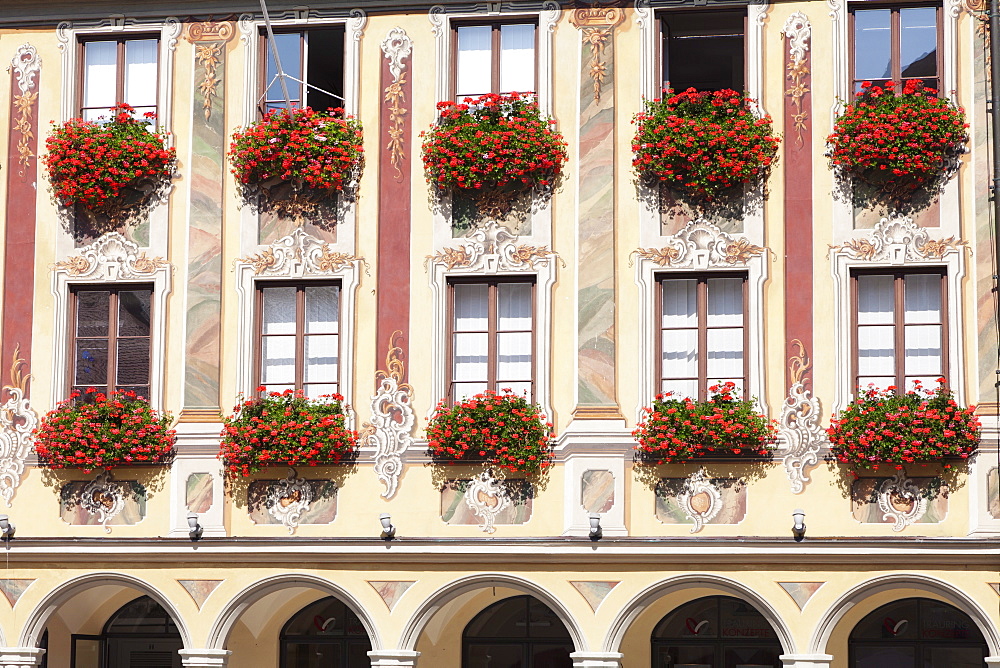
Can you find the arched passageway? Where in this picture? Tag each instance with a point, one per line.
(517, 632)
(140, 633)
(325, 634)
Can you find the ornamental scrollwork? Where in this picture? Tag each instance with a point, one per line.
(26, 65)
(799, 423)
(17, 423)
(486, 497)
(898, 240)
(104, 498)
(287, 500)
(900, 501)
(699, 245)
(112, 257)
(299, 254)
(397, 46)
(492, 248)
(701, 500)
(797, 31)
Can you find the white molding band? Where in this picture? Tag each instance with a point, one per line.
(204, 658)
(21, 657)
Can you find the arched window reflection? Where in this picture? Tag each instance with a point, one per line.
(518, 632)
(325, 634)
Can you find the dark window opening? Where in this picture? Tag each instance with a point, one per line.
(704, 50)
(315, 57)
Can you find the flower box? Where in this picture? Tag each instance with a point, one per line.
(92, 431)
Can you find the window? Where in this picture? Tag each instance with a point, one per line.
(111, 338)
(492, 337)
(116, 71)
(703, 333)
(299, 338)
(494, 58)
(703, 50)
(899, 331)
(313, 56)
(896, 43)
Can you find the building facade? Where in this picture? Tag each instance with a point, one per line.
(591, 301)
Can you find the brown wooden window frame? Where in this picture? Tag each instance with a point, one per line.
(495, 27)
(894, 50)
(120, 40)
(662, 17)
(300, 333)
(899, 320)
(492, 316)
(702, 307)
(263, 54)
(113, 336)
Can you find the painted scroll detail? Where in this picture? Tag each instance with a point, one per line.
(700, 500)
(492, 248)
(898, 240)
(702, 244)
(487, 498)
(288, 499)
(799, 424)
(17, 422)
(397, 47)
(112, 257)
(26, 65)
(296, 255)
(104, 498)
(389, 430)
(797, 31)
(900, 501)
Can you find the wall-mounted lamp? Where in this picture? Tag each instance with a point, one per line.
(388, 531)
(596, 532)
(6, 528)
(194, 529)
(798, 524)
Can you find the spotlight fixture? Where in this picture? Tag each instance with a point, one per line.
(596, 532)
(194, 528)
(798, 524)
(6, 528)
(388, 531)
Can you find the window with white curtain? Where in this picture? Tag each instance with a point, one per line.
(494, 58)
(116, 71)
(313, 62)
(299, 337)
(703, 332)
(900, 335)
(492, 337)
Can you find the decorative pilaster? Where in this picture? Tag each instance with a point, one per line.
(596, 352)
(207, 162)
(204, 658)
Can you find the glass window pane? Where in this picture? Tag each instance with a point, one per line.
(876, 351)
(100, 68)
(91, 362)
(140, 73)
(514, 305)
(923, 350)
(471, 356)
(918, 42)
(680, 354)
(680, 388)
(289, 46)
(133, 362)
(92, 309)
(133, 312)
(474, 61)
(514, 356)
(879, 382)
(725, 302)
(471, 306)
(953, 657)
(517, 58)
(278, 359)
(680, 303)
(322, 309)
(885, 657)
(523, 389)
(922, 298)
(876, 300)
(872, 44)
(279, 311)
(321, 358)
(463, 390)
(725, 353)
(314, 390)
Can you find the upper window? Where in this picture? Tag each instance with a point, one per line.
(900, 335)
(299, 338)
(703, 333)
(111, 339)
(704, 50)
(494, 58)
(119, 71)
(313, 62)
(897, 43)
(492, 337)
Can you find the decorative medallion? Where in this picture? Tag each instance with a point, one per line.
(17, 422)
(26, 65)
(288, 499)
(492, 248)
(898, 240)
(104, 498)
(210, 31)
(298, 254)
(397, 46)
(797, 32)
(699, 245)
(900, 501)
(487, 498)
(112, 257)
(701, 501)
(799, 424)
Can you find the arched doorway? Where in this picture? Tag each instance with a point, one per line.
(518, 632)
(325, 634)
(917, 633)
(715, 632)
(140, 633)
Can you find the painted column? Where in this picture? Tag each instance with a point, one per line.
(806, 660)
(22, 181)
(597, 659)
(204, 658)
(207, 166)
(393, 658)
(596, 345)
(21, 657)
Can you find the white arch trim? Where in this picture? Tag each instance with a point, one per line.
(951, 594)
(35, 624)
(723, 585)
(224, 623)
(416, 624)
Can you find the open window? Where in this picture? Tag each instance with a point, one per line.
(703, 50)
(313, 61)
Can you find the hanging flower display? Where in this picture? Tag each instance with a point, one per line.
(285, 429)
(680, 430)
(110, 167)
(92, 431)
(703, 145)
(898, 141)
(919, 426)
(492, 148)
(503, 430)
(298, 154)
